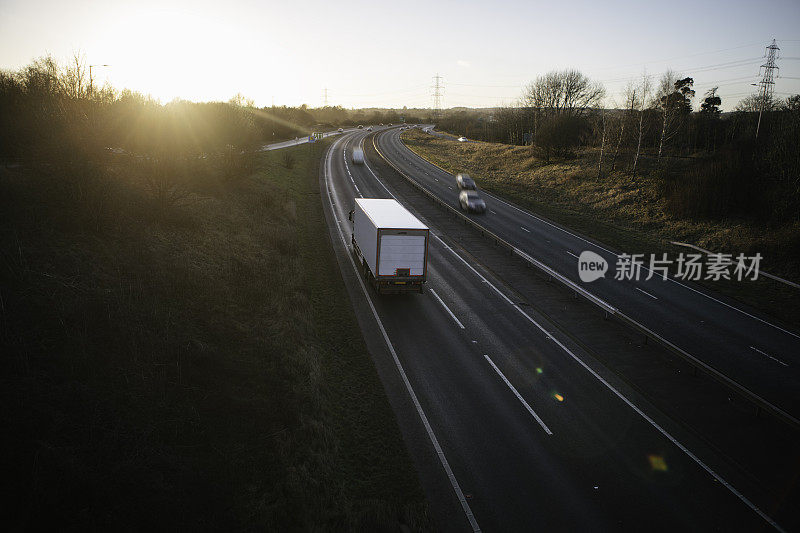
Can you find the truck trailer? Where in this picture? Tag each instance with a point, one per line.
(390, 245)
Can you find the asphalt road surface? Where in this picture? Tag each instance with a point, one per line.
(737, 341)
(512, 426)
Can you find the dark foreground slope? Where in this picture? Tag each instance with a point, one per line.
(185, 357)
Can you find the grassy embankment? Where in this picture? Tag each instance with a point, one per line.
(188, 361)
(627, 213)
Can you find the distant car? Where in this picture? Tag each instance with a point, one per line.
(360, 126)
(340, 130)
(390, 124)
(470, 201)
(465, 182)
(462, 139)
(381, 124)
(369, 129)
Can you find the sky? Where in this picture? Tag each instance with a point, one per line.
(368, 53)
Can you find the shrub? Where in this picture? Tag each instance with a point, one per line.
(722, 186)
(558, 136)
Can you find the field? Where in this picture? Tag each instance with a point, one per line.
(185, 357)
(623, 211)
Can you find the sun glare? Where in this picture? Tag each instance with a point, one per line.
(173, 53)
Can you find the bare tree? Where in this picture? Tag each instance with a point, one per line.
(640, 103)
(752, 104)
(75, 77)
(241, 100)
(630, 105)
(566, 92)
(602, 142)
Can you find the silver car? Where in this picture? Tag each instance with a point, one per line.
(465, 182)
(470, 201)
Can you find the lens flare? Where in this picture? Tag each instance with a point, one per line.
(558, 397)
(657, 463)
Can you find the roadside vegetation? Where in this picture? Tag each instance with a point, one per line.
(629, 212)
(659, 166)
(48, 110)
(178, 347)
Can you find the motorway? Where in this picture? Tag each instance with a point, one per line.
(520, 424)
(736, 341)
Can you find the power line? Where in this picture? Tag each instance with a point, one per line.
(681, 57)
(476, 85)
(395, 91)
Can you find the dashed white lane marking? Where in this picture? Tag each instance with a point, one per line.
(570, 253)
(491, 210)
(519, 396)
(624, 399)
(618, 394)
(347, 168)
(647, 293)
(420, 412)
(525, 229)
(768, 355)
(449, 312)
(559, 228)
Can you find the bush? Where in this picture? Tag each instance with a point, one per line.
(725, 185)
(558, 136)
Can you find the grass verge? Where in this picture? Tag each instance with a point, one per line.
(188, 363)
(628, 213)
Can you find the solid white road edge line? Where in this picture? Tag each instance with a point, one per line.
(742, 311)
(625, 400)
(518, 395)
(619, 395)
(439, 452)
(449, 312)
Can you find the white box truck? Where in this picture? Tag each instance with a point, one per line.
(358, 156)
(390, 244)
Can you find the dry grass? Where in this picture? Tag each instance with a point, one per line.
(628, 213)
(189, 365)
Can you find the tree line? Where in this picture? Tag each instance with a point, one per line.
(730, 171)
(51, 112)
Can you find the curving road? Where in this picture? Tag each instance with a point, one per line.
(738, 342)
(512, 426)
